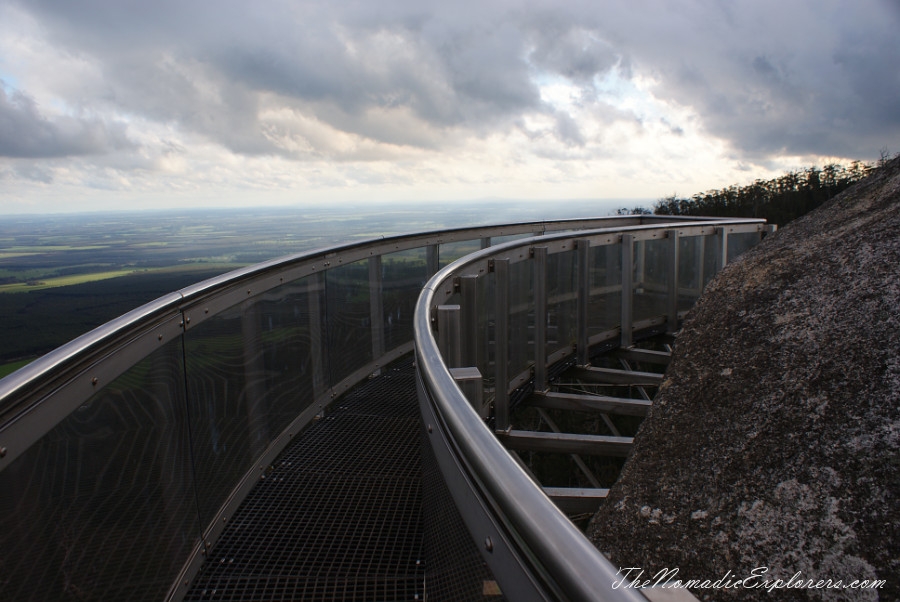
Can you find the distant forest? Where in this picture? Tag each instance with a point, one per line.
(779, 200)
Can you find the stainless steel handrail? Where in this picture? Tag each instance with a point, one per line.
(546, 556)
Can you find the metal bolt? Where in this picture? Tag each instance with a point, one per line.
(488, 544)
(206, 310)
(159, 337)
(187, 320)
(429, 428)
(2, 452)
(94, 381)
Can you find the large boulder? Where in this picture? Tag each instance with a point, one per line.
(773, 446)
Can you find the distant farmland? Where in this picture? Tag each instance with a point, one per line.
(63, 275)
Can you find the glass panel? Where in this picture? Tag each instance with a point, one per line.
(740, 242)
(404, 275)
(605, 307)
(562, 301)
(710, 246)
(690, 257)
(251, 372)
(348, 319)
(651, 259)
(101, 508)
(451, 251)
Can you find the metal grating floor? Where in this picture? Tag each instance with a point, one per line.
(339, 517)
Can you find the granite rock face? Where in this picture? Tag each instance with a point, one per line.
(774, 441)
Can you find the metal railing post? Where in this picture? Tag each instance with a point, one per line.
(448, 335)
(432, 259)
(583, 282)
(485, 242)
(314, 288)
(627, 322)
(376, 306)
(255, 391)
(721, 248)
(640, 263)
(501, 345)
(701, 265)
(468, 292)
(470, 382)
(540, 318)
(672, 278)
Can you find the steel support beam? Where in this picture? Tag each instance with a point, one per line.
(591, 403)
(576, 500)
(619, 377)
(567, 443)
(647, 356)
(575, 457)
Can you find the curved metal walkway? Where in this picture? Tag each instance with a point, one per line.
(339, 514)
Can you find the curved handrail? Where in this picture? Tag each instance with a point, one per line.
(546, 556)
(59, 386)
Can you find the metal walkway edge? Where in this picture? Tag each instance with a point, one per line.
(339, 515)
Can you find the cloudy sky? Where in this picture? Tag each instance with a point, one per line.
(116, 104)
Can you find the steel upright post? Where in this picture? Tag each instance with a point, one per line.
(672, 278)
(501, 334)
(468, 291)
(317, 321)
(432, 260)
(376, 306)
(583, 282)
(448, 335)
(627, 322)
(540, 318)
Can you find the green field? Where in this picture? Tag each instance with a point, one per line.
(63, 275)
(37, 285)
(6, 369)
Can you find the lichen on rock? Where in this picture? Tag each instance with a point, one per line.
(775, 439)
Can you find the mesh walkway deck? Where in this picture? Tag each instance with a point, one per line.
(339, 516)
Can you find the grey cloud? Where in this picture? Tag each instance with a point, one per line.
(572, 51)
(765, 76)
(25, 133)
(776, 78)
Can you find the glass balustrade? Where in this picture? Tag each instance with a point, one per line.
(115, 487)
